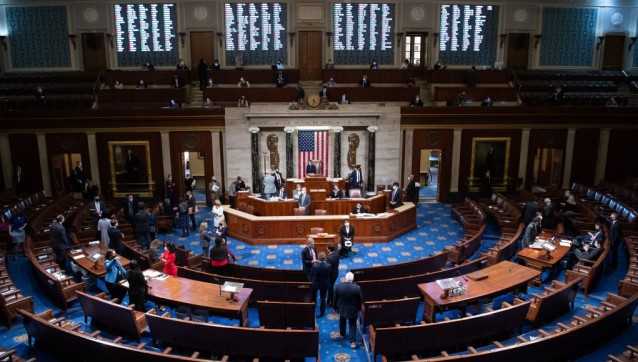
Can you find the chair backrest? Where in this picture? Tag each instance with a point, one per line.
(321, 212)
(114, 316)
(284, 315)
(556, 303)
(355, 192)
(383, 313)
(299, 211)
(316, 230)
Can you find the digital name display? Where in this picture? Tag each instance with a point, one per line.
(255, 33)
(363, 33)
(145, 33)
(468, 34)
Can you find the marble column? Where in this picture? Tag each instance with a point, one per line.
(601, 162)
(254, 156)
(166, 153)
(290, 166)
(44, 163)
(522, 161)
(5, 159)
(569, 157)
(371, 155)
(456, 159)
(336, 163)
(93, 161)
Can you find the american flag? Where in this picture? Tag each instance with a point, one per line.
(313, 145)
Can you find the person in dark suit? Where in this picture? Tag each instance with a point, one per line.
(311, 168)
(192, 209)
(587, 247)
(348, 300)
(304, 200)
(308, 257)
(531, 231)
(97, 207)
(130, 208)
(549, 218)
(323, 93)
(320, 274)
(336, 193)
(240, 185)
(395, 196)
(142, 230)
(529, 212)
(333, 260)
(279, 179)
(616, 238)
(416, 102)
(115, 237)
(364, 82)
(60, 243)
(137, 287)
(359, 209)
(216, 65)
(347, 238)
(411, 191)
(355, 179)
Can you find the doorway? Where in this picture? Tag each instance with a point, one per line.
(614, 52)
(428, 177)
(194, 171)
(548, 168)
(202, 47)
(310, 55)
(62, 166)
(517, 51)
(93, 52)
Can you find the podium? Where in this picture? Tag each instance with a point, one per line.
(323, 240)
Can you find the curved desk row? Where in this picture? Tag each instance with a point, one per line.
(295, 229)
(262, 207)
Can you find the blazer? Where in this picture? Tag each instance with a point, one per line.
(306, 258)
(137, 283)
(346, 235)
(59, 238)
(115, 239)
(279, 180)
(336, 194)
(359, 210)
(304, 201)
(311, 168)
(94, 207)
(355, 178)
(395, 198)
(333, 260)
(320, 275)
(269, 185)
(615, 233)
(530, 233)
(348, 299)
(411, 191)
(141, 222)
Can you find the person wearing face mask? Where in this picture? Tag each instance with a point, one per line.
(395, 196)
(304, 200)
(587, 247)
(531, 231)
(347, 238)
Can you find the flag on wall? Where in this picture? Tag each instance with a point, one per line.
(312, 145)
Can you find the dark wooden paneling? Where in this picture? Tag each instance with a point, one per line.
(544, 138)
(94, 52)
(193, 142)
(157, 167)
(614, 52)
(202, 47)
(585, 156)
(24, 153)
(621, 162)
(466, 152)
(60, 143)
(517, 50)
(440, 139)
(310, 45)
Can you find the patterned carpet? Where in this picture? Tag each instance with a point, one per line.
(436, 229)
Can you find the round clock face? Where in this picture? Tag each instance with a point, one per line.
(200, 13)
(417, 13)
(520, 15)
(90, 15)
(616, 18)
(314, 101)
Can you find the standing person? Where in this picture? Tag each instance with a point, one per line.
(192, 209)
(549, 218)
(308, 257)
(355, 179)
(103, 226)
(296, 192)
(168, 257)
(333, 260)
(114, 273)
(204, 237)
(171, 194)
(130, 209)
(218, 213)
(115, 237)
(411, 190)
(395, 196)
(215, 189)
(531, 231)
(152, 222)
(347, 238)
(304, 201)
(348, 300)
(202, 73)
(270, 189)
(616, 238)
(221, 231)
(182, 218)
(320, 276)
(142, 231)
(220, 256)
(137, 287)
(60, 243)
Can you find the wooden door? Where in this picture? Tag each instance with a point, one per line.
(614, 52)
(517, 50)
(202, 47)
(93, 52)
(310, 55)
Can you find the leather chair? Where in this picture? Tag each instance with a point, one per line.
(299, 211)
(321, 212)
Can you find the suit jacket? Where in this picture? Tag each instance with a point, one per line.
(269, 185)
(130, 208)
(141, 222)
(137, 283)
(355, 179)
(531, 231)
(411, 191)
(115, 239)
(395, 198)
(615, 233)
(279, 180)
(336, 194)
(346, 235)
(323, 93)
(59, 239)
(549, 221)
(311, 168)
(304, 201)
(94, 207)
(320, 275)
(333, 260)
(529, 212)
(348, 299)
(359, 210)
(306, 258)
(365, 83)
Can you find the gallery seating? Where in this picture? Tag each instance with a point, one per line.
(112, 315)
(230, 94)
(282, 315)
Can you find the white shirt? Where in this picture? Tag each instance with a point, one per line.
(218, 214)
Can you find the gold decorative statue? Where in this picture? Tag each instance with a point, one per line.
(353, 144)
(272, 142)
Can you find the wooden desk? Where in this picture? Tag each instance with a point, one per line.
(253, 94)
(83, 259)
(501, 278)
(540, 260)
(314, 182)
(201, 295)
(373, 94)
(323, 241)
(261, 207)
(272, 207)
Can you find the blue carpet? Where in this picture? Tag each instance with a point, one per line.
(436, 229)
(430, 191)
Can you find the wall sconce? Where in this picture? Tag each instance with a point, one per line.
(72, 39)
(329, 38)
(502, 37)
(182, 35)
(220, 37)
(3, 40)
(631, 43)
(537, 40)
(292, 38)
(600, 41)
(399, 38)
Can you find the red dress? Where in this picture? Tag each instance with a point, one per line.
(169, 263)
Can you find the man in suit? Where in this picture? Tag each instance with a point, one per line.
(304, 200)
(333, 260)
(279, 179)
(308, 257)
(347, 238)
(115, 237)
(359, 209)
(549, 219)
(529, 212)
(142, 230)
(320, 275)
(411, 190)
(356, 178)
(364, 82)
(270, 189)
(97, 207)
(336, 193)
(311, 168)
(323, 93)
(616, 238)
(395, 196)
(60, 243)
(531, 231)
(586, 247)
(348, 300)
(240, 185)
(192, 209)
(130, 208)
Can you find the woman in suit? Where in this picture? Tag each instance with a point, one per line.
(168, 257)
(347, 238)
(220, 256)
(137, 287)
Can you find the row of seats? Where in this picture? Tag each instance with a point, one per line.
(605, 203)
(629, 355)
(571, 75)
(628, 286)
(472, 217)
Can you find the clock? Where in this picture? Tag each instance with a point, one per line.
(314, 101)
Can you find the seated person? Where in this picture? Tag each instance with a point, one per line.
(439, 66)
(332, 82)
(280, 80)
(336, 193)
(374, 65)
(344, 99)
(243, 83)
(586, 247)
(242, 102)
(323, 93)
(141, 84)
(395, 196)
(311, 168)
(330, 64)
(279, 65)
(182, 65)
(359, 209)
(296, 192)
(209, 83)
(301, 94)
(149, 66)
(487, 102)
(364, 82)
(216, 65)
(118, 85)
(405, 64)
(461, 99)
(416, 102)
